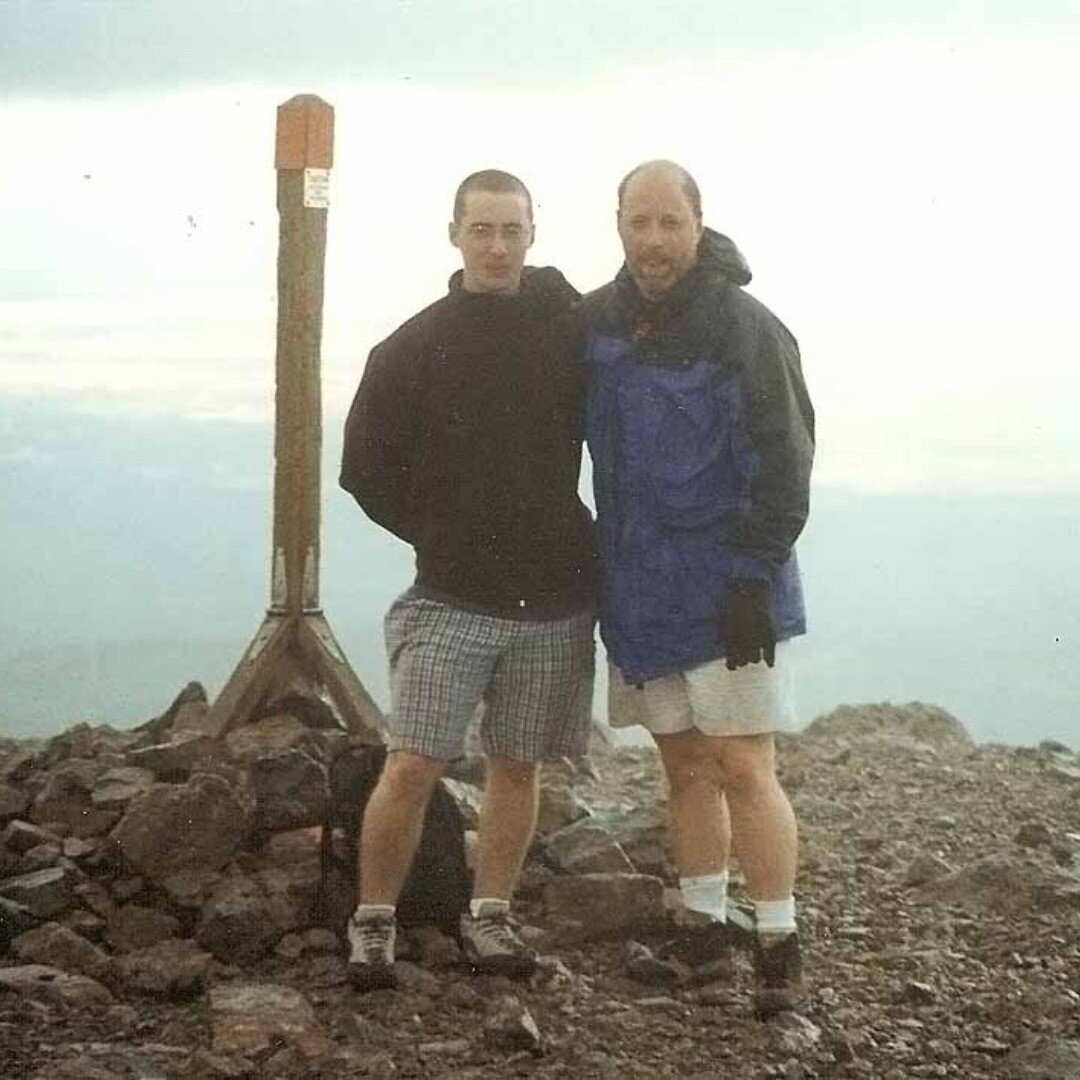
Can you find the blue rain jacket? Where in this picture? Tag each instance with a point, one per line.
(701, 433)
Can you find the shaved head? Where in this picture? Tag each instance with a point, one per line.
(670, 168)
(494, 181)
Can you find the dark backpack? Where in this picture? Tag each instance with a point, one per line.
(439, 885)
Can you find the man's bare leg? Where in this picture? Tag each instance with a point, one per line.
(507, 823)
(766, 838)
(393, 824)
(762, 821)
(698, 823)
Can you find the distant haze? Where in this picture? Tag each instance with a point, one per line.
(139, 559)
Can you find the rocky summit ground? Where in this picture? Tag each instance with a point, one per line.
(939, 896)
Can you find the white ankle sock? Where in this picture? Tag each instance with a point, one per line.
(775, 918)
(483, 901)
(707, 894)
(368, 910)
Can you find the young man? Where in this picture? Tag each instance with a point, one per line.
(464, 440)
(701, 434)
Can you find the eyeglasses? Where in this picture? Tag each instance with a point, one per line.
(484, 230)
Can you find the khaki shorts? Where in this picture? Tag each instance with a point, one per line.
(751, 700)
(533, 679)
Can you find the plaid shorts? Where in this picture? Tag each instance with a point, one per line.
(534, 679)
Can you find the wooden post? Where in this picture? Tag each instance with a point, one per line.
(295, 642)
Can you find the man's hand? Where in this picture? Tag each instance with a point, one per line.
(745, 624)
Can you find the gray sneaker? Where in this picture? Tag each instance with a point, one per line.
(371, 952)
(492, 946)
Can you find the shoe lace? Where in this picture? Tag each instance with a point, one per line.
(496, 932)
(374, 938)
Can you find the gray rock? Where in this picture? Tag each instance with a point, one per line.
(10, 863)
(14, 801)
(597, 904)
(560, 805)
(175, 970)
(203, 1065)
(239, 930)
(187, 889)
(446, 1048)
(191, 700)
(75, 819)
(116, 788)
(586, 847)
(270, 735)
(510, 1026)
(56, 946)
(920, 723)
(925, 868)
(1005, 883)
(78, 849)
(290, 790)
(14, 919)
(177, 758)
(642, 964)
(434, 948)
(1052, 746)
(315, 942)
(919, 993)
(134, 927)
(1043, 1058)
(468, 799)
(794, 1033)
(174, 828)
(41, 857)
(250, 1018)
(44, 892)
(1060, 771)
(1033, 834)
(642, 833)
(37, 982)
(21, 836)
(23, 765)
(71, 782)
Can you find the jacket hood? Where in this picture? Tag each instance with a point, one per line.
(718, 253)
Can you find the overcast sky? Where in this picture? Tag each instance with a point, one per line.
(901, 177)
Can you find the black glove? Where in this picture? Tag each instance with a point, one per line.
(745, 623)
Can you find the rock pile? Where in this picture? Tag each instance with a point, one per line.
(161, 914)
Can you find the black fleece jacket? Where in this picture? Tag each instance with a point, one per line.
(464, 439)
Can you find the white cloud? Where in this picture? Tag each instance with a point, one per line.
(906, 206)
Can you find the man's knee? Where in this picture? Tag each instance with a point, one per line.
(747, 762)
(688, 761)
(410, 777)
(512, 772)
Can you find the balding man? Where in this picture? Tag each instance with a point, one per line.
(702, 435)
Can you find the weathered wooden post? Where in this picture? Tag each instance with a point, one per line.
(295, 642)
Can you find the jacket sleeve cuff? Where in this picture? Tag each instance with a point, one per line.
(747, 568)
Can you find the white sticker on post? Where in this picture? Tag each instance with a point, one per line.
(317, 188)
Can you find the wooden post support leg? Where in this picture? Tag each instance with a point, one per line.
(253, 676)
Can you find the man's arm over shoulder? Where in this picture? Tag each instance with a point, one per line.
(381, 433)
(780, 422)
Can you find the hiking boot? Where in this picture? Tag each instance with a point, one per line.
(778, 977)
(371, 952)
(701, 953)
(491, 945)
